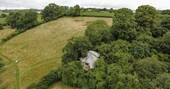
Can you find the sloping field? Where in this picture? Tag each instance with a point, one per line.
(37, 51)
(6, 32)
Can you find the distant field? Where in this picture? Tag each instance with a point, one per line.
(2, 20)
(35, 52)
(97, 14)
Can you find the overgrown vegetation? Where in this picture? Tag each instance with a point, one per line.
(134, 53)
(1, 27)
(53, 11)
(22, 20)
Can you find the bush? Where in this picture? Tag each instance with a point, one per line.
(51, 12)
(149, 68)
(115, 52)
(98, 32)
(166, 23)
(141, 50)
(146, 16)
(164, 43)
(124, 25)
(1, 27)
(76, 48)
(116, 78)
(22, 20)
(72, 74)
(159, 31)
(163, 81)
(3, 15)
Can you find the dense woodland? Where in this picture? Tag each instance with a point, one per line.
(135, 54)
(135, 50)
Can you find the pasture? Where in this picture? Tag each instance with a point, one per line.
(97, 14)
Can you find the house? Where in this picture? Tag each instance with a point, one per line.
(89, 61)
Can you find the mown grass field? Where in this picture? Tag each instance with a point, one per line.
(97, 14)
(37, 51)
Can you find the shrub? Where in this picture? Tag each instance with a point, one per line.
(141, 50)
(51, 12)
(163, 81)
(98, 32)
(1, 27)
(149, 68)
(124, 25)
(3, 15)
(76, 48)
(164, 43)
(146, 16)
(166, 23)
(22, 20)
(117, 79)
(72, 74)
(159, 31)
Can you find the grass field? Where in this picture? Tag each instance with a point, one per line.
(97, 14)
(2, 20)
(35, 52)
(5, 32)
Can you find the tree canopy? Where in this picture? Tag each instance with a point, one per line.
(22, 20)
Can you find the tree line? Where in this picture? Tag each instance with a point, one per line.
(25, 19)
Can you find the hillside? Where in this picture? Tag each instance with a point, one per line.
(37, 51)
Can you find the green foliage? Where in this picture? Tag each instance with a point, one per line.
(141, 50)
(1, 27)
(98, 76)
(117, 79)
(47, 80)
(72, 74)
(165, 12)
(124, 25)
(149, 68)
(164, 44)
(166, 23)
(77, 47)
(51, 12)
(76, 10)
(98, 32)
(159, 31)
(22, 20)
(3, 15)
(115, 52)
(163, 81)
(146, 16)
(145, 38)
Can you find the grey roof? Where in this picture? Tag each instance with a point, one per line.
(91, 58)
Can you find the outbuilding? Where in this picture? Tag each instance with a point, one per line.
(89, 61)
